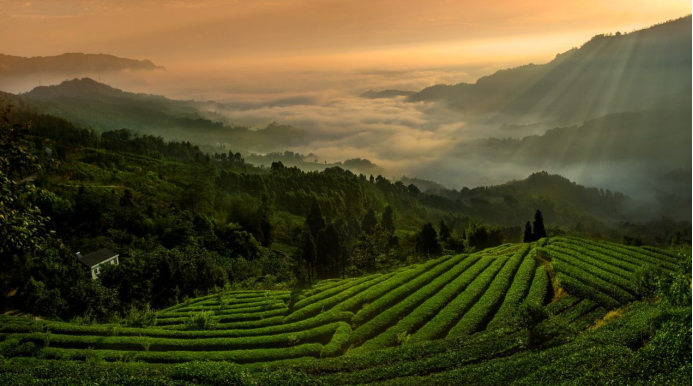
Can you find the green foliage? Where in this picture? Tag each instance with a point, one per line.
(146, 317)
(427, 241)
(647, 280)
(22, 225)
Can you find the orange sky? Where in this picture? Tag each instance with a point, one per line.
(320, 33)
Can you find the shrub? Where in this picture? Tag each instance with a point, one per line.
(91, 357)
(200, 321)
(145, 317)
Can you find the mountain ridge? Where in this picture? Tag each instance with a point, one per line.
(71, 63)
(608, 73)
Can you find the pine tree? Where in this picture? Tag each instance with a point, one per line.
(308, 253)
(315, 220)
(427, 241)
(388, 221)
(369, 221)
(444, 231)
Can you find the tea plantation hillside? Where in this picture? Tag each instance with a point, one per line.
(563, 309)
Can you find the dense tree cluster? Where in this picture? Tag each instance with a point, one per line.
(536, 233)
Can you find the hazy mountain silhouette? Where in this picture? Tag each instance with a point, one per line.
(70, 63)
(610, 73)
(89, 103)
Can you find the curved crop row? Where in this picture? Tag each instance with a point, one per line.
(327, 303)
(517, 292)
(627, 262)
(231, 298)
(439, 326)
(594, 281)
(223, 307)
(578, 310)
(387, 317)
(642, 255)
(579, 254)
(562, 304)
(674, 255)
(338, 343)
(484, 309)
(242, 325)
(135, 343)
(619, 281)
(72, 329)
(225, 312)
(582, 290)
(353, 304)
(228, 318)
(392, 297)
(588, 319)
(429, 308)
(243, 356)
(331, 292)
(539, 288)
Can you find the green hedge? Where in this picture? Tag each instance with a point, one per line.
(562, 304)
(248, 324)
(227, 318)
(131, 343)
(340, 338)
(243, 356)
(98, 330)
(219, 312)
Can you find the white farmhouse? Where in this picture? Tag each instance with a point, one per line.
(96, 260)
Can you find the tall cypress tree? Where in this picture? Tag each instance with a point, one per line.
(529, 237)
(539, 230)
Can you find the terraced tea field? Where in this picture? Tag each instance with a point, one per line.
(465, 300)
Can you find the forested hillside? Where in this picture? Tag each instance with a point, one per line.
(185, 221)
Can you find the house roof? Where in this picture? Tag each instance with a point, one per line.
(97, 257)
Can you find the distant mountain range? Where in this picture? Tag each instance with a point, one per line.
(91, 104)
(645, 69)
(70, 63)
